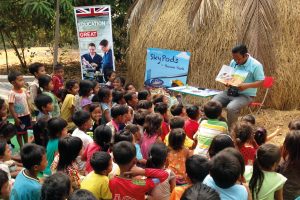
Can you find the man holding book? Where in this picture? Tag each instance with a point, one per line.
(248, 75)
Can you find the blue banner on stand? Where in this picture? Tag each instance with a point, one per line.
(166, 68)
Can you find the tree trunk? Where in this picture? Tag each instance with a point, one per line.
(3, 41)
(23, 64)
(57, 33)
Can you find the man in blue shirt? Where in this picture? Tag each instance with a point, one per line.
(107, 62)
(242, 62)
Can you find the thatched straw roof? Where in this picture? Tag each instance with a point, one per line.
(210, 28)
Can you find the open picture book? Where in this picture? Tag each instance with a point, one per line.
(228, 75)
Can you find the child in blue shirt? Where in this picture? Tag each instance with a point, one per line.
(27, 185)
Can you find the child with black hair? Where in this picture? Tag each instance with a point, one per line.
(7, 130)
(124, 135)
(197, 168)
(129, 87)
(118, 98)
(131, 99)
(37, 70)
(139, 119)
(249, 119)
(4, 185)
(111, 75)
(83, 121)
(135, 131)
(145, 105)
(44, 104)
(178, 110)
(69, 148)
(119, 83)
(118, 114)
(6, 162)
(225, 170)
(19, 106)
(27, 185)
(192, 123)
(102, 138)
(128, 184)
(82, 195)
(45, 82)
(96, 114)
(97, 181)
(160, 99)
(178, 122)
(56, 129)
(294, 125)
(58, 79)
(56, 187)
(290, 165)
(220, 142)
(178, 155)
(104, 97)
(210, 128)
(144, 95)
(82, 101)
(200, 191)
(68, 99)
(263, 180)
(162, 109)
(96, 88)
(153, 123)
(244, 140)
(157, 160)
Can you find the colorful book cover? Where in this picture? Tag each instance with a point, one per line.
(228, 75)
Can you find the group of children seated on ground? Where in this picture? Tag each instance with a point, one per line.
(112, 142)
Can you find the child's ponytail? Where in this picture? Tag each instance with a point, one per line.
(267, 156)
(242, 133)
(157, 156)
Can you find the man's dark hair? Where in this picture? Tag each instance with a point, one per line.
(34, 67)
(161, 108)
(80, 117)
(124, 152)
(41, 101)
(176, 122)
(192, 112)
(92, 44)
(176, 109)
(212, 109)
(13, 75)
(118, 110)
(31, 155)
(225, 170)
(241, 49)
(100, 161)
(197, 168)
(104, 43)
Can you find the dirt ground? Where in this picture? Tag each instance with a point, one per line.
(268, 118)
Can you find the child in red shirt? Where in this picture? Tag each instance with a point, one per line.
(192, 124)
(162, 109)
(128, 185)
(58, 79)
(244, 139)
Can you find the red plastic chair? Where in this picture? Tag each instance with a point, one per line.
(268, 83)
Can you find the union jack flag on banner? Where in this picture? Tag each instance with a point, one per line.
(92, 11)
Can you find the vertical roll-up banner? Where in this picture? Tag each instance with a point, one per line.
(94, 31)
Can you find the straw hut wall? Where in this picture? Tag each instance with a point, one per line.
(210, 28)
